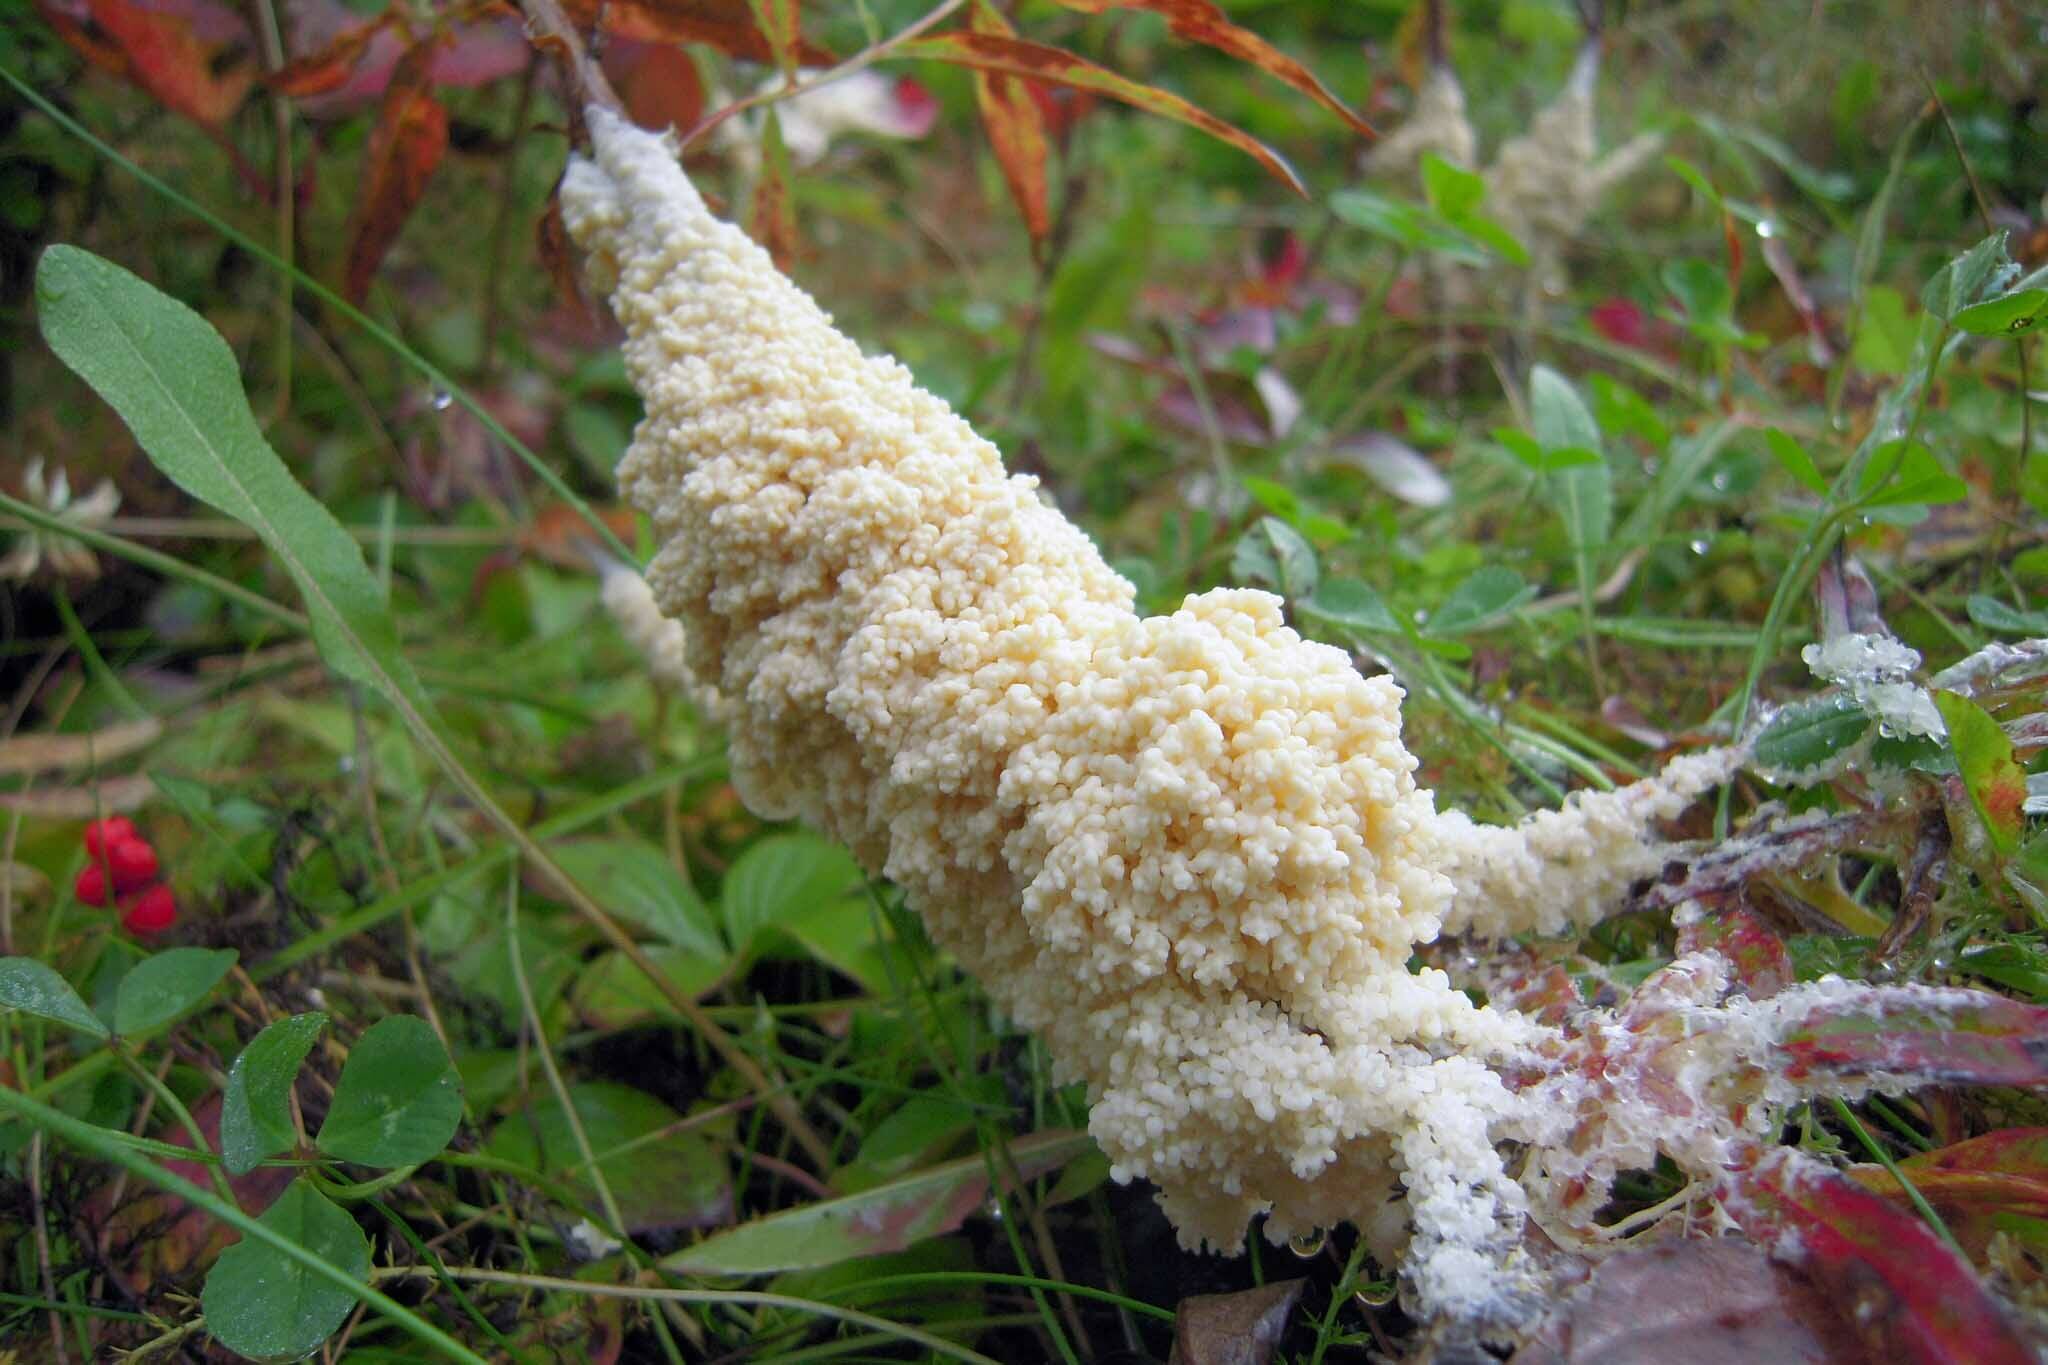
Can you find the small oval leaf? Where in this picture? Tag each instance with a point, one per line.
(159, 989)
(35, 988)
(256, 1116)
(266, 1307)
(399, 1099)
(1803, 737)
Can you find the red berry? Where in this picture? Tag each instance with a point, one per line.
(91, 886)
(102, 835)
(149, 911)
(134, 864)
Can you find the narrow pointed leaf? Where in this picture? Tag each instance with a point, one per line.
(176, 385)
(1199, 21)
(1947, 1036)
(1915, 1298)
(886, 1218)
(406, 145)
(1015, 127)
(1035, 61)
(772, 220)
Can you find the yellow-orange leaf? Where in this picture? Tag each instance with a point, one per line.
(1199, 21)
(407, 144)
(1036, 61)
(1016, 130)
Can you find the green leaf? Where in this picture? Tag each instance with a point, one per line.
(1348, 603)
(1485, 599)
(175, 383)
(661, 1178)
(1806, 735)
(1525, 448)
(399, 1099)
(1451, 190)
(2010, 965)
(1886, 335)
(611, 992)
(1993, 614)
(1409, 226)
(1693, 176)
(1558, 416)
(883, 1219)
(1793, 459)
(166, 985)
(637, 883)
(256, 1113)
(266, 1307)
(1970, 278)
(1582, 493)
(1996, 782)
(2003, 315)
(1275, 555)
(35, 988)
(784, 877)
(1902, 474)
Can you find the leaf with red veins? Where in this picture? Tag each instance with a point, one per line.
(1903, 1291)
(1935, 1036)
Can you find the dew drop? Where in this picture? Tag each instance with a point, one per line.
(1376, 1294)
(1306, 1244)
(1700, 547)
(994, 1209)
(441, 400)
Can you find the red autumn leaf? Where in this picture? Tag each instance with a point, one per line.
(658, 82)
(772, 220)
(727, 25)
(1199, 21)
(1035, 61)
(407, 144)
(1700, 1299)
(1937, 1035)
(317, 73)
(162, 52)
(1016, 130)
(1909, 1296)
(1762, 964)
(1987, 1185)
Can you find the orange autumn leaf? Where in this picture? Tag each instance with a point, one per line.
(407, 144)
(1199, 21)
(159, 52)
(1036, 61)
(1016, 130)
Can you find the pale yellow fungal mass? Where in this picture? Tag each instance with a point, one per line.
(1187, 850)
